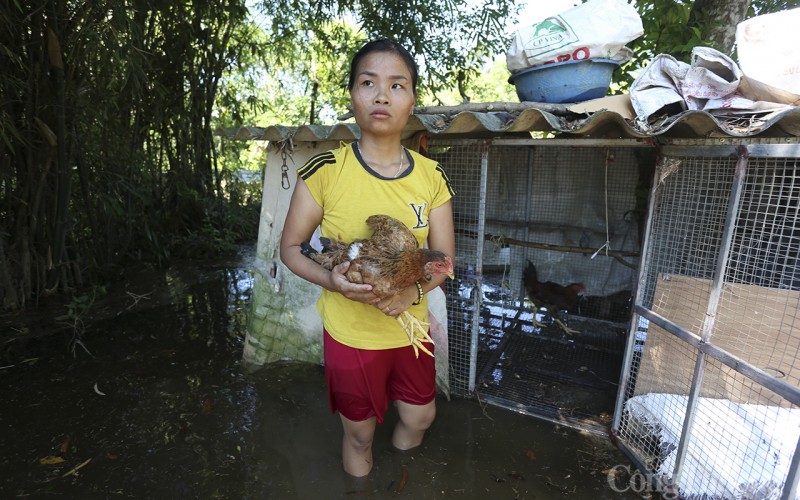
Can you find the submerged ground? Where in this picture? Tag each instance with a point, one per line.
(144, 395)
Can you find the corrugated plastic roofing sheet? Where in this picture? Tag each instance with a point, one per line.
(600, 124)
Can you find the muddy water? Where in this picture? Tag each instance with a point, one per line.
(158, 405)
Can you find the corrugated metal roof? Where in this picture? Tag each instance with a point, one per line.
(600, 124)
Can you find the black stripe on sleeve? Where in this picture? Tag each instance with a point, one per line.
(315, 163)
(446, 180)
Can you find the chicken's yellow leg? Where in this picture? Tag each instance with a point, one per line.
(412, 326)
(569, 331)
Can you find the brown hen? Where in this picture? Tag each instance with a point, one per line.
(552, 296)
(390, 260)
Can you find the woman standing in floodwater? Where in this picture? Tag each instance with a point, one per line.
(368, 357)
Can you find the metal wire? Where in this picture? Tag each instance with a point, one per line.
(738, 438)
(543, 205)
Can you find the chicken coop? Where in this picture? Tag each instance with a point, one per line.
(683, 343)
(574, 212)
(709, 396)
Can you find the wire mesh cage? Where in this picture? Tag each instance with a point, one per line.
(572, 212)
(709, 401)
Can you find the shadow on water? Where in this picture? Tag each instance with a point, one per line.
(162, 408)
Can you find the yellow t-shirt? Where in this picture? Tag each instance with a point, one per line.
(349, 191)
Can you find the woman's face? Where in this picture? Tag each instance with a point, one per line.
(382, 95)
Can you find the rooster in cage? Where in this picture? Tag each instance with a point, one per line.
(552, 296)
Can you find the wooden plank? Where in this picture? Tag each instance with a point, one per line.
(758, 325)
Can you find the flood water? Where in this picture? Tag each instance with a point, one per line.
(154, 402)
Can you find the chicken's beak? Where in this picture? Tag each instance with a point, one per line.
(450, 272)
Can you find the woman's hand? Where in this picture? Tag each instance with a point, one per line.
(354, 291)
(395, 305)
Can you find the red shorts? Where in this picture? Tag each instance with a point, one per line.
(361, 382)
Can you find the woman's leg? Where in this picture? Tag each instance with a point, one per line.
(414, 421)
(357, 446)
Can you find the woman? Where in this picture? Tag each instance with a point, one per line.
(368, 358)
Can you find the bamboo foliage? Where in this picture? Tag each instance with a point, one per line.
(106, 151)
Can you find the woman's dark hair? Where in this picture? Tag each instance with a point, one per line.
(384, 45)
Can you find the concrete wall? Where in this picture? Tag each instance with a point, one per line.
(284, 323)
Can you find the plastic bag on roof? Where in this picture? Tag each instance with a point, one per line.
(712, 83)
(768, 47)
(595, 29)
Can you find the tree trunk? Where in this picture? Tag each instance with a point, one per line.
(717, 20)
(312, 115)
(59, 226)
(8, 294)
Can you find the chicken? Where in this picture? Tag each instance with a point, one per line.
(390, 260)
(552, 296)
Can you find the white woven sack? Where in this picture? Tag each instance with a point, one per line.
(595, 29)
